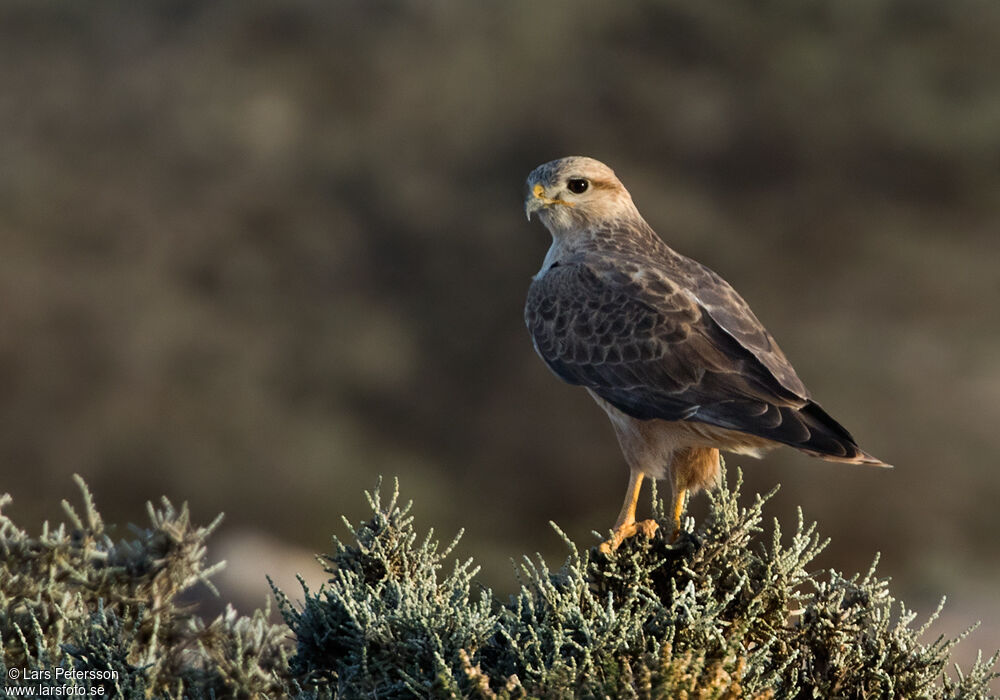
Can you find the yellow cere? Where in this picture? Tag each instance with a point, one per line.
(539, 192)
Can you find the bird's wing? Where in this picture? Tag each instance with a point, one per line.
(653, 351)
(728, 309)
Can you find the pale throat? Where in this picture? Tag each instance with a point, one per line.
(554, 253)
(566, 243)
(575, 231)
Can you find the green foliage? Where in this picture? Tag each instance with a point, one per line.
(717, 614)
(388, 624)
(72, 599)
(720, 613)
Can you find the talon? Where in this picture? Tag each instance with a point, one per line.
(647, 528)
(622, 533)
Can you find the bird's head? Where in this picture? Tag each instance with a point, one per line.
(574, 191)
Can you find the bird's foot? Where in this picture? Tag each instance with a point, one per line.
(676, 530)
(622, 533)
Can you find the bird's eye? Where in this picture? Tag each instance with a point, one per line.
(577, 185)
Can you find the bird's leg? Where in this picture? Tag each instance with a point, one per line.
(680, 492)
(627, 515)
(679, 495)
(626, 526)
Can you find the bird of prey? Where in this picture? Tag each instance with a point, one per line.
(664, 345)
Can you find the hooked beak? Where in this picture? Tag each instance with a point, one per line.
(539, 200)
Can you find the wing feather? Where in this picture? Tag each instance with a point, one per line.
(734, 316)
(674, 350)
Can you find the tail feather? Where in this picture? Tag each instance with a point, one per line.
(806, 427)
(828, 439)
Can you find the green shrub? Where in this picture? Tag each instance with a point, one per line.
(721, 613)
(718, 614)
(385, 625)
(73, 600)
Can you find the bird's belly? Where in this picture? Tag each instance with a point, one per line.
(706, 435)
(650, 445)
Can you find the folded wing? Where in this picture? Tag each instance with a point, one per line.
(656, 348)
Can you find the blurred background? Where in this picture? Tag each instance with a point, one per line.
(254, 255)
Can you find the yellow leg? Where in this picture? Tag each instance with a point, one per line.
(627, 514)
(679, 495)
(626, 526)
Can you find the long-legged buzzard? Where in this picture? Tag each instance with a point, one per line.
(665, 346)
